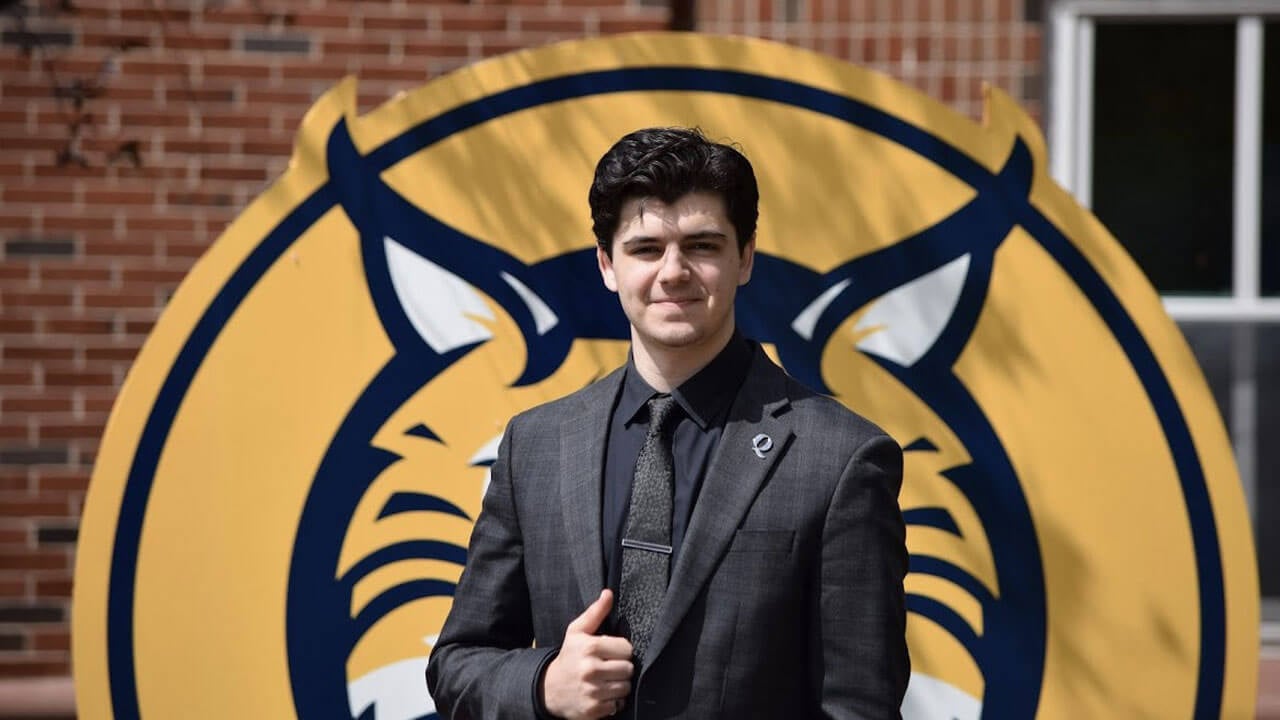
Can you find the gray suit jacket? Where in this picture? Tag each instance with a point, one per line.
(786, 600)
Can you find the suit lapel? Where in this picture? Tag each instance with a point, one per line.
(582, 439)
(728, 490)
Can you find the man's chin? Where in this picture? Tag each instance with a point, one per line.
(675, 337)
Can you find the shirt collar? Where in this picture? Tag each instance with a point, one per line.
(704, 397)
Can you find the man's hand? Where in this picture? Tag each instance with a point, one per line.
(591, 677)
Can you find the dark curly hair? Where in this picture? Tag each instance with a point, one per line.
(667, 163)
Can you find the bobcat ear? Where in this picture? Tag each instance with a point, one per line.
(904, 323)
(441, 306)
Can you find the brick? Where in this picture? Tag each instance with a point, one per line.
(258, 96)
(47, 246)
(51, 640)
(56, 535)
(51, 38)
(118, 299)
(326, 72)
(407, 74)
(13, 587)
(13, 641)
(96, 37)
(448, 49)
(200, 146)
(253, 174)
(53, 274)
(191, 41)
(78, 326)
(139, 65)
(42, 403)
(321, 19)
(245, 121)
(53, 588)
(66, 481)
(79, 222)
(34, 299)
(31, 508)
(17, 326)
(155, 118)
(291, 44)
(139, 327)
(198, 198)
(14, 432)
(163, 223)
(14, 536)
(405, 23)
(47, 455)
(100, 404)
(30, 560)
(33, 667)
(55, 378)
(244, 71)
(170, 275)
(12, 351)
(91, 429)
(355, 46)
(39, 194)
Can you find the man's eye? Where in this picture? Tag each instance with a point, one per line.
(644, 250)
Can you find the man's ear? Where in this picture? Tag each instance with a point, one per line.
(748, 261)
(606, 269)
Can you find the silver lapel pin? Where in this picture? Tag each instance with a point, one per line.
(761, 444)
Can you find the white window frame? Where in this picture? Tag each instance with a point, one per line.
(1070, 130)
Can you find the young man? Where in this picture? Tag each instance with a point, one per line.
(696, 535)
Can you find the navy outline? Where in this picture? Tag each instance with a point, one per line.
(155, 433)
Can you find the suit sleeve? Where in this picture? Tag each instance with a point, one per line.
(859, 631)
(482, 666)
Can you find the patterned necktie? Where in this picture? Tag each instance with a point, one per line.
(646, 542)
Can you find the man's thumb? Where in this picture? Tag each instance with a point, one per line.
(591, 618)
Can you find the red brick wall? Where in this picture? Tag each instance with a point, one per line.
(133, 131)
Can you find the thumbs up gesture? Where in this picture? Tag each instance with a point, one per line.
(591, 676)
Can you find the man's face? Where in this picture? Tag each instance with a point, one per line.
(676, 269)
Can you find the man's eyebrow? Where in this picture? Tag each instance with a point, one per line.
(637, 239)
(699, 235)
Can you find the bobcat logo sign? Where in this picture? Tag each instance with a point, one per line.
(282, 502)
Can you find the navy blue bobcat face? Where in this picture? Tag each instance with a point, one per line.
(463, 308)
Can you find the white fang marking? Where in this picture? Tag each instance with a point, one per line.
(807, 321)
(910, 318)
(929, 698)
(439, 304)
(543, 317)
(396, 691)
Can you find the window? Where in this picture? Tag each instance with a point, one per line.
(1165, 121)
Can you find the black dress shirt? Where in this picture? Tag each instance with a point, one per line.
(703, 404)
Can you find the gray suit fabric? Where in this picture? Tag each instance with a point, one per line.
(786, 601)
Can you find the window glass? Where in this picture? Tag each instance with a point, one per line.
(1271, 160)
(1164, 97)
(1241, 360)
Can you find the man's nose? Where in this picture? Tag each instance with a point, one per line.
(674, 265)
